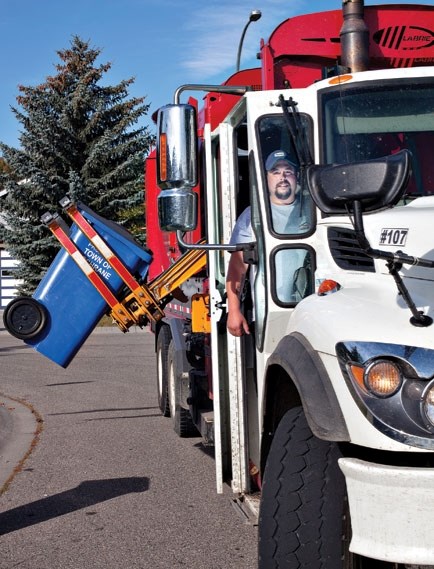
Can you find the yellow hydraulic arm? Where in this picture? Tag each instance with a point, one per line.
(164, 285)
(143, 302)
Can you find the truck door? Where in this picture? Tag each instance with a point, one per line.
(283, 219)
(223, 182)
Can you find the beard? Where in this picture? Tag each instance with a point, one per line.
(283, 192)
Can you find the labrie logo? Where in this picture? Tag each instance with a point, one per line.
(404, 37)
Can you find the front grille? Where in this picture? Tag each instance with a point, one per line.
(346, 250)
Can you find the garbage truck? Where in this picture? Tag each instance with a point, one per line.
(322, 418)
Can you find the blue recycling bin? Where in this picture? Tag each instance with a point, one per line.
(66, 306)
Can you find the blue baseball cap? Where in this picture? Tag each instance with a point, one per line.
(276, 157)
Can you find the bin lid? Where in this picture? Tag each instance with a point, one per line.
(116, 230)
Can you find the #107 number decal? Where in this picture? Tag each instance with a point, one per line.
(393, 236)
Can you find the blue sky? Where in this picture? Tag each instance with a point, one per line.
(163, 44)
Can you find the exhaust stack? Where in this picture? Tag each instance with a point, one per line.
(354, 36)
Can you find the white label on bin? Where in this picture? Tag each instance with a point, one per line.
(97, 262)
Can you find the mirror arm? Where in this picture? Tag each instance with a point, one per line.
(226, 89)
(419, 318)
(394, 263)
(359, 228)
(362, 239)
(215, 246)
(396, 257)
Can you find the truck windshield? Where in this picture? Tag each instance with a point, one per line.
(375, 119)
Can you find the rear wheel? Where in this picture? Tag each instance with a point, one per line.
(304, 519)
(163, 342)
(182, 422)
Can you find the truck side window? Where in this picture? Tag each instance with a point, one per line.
(292, 274)
(290, 205)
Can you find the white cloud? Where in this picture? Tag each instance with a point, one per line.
(215, 32)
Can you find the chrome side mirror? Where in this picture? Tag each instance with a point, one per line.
(177, 167)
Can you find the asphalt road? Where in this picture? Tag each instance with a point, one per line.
(94, 477)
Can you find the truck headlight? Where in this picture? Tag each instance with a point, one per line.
(393, 386)
(383, 378)
(428, 403)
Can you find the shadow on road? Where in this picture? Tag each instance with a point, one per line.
(105, 411)
(116, 418)
(86, 494)
(13, 349)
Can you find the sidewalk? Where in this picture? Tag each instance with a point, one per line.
(2, 327)
(19, 430)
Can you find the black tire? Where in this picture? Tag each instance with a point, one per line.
(181, 419)
(163, 342)
(303, 519)
(25, 318)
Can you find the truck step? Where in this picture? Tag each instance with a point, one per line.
(207, 427)
(247, 506)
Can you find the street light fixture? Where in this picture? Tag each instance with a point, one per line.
(254, 17)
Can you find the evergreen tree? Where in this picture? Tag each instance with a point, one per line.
(3, 166)
(78, 138)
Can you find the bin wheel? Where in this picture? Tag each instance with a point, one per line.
(24, 317)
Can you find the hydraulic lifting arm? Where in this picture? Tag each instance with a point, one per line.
(140, 303)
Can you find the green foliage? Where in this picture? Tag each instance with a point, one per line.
(78, 138)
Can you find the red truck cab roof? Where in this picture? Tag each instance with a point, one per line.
(300, 48)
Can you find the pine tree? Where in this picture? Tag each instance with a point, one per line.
(3, 166)
(78, 138)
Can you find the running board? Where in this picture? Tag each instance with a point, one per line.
(206, 427)
(247, 506)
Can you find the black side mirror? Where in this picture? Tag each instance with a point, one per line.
(375, 184)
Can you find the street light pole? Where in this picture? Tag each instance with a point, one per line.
(254, 17)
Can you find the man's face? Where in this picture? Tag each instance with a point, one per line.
(282, 183)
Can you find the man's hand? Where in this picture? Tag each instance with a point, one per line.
(236, 323)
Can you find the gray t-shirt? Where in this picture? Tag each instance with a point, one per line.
(243, 232)
(287, 219)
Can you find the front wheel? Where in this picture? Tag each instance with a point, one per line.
(304, 519)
